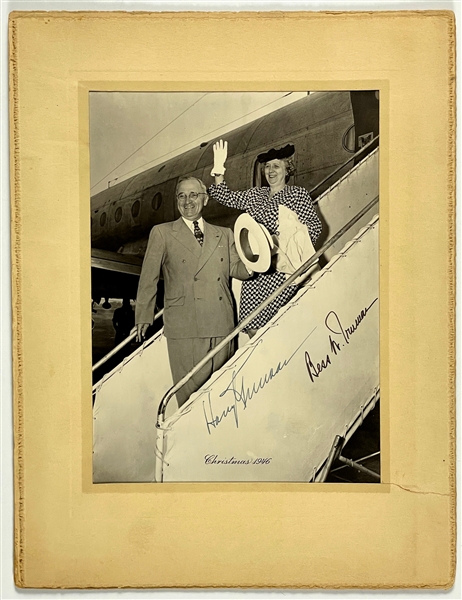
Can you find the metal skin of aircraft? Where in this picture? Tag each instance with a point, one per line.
(326, 128)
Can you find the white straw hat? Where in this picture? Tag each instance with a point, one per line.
(254, 243)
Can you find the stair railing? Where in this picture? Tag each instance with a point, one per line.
(122, 344)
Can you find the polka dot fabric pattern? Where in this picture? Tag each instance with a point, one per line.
(265, 210)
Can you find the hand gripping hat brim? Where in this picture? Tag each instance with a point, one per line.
(279, 153)
(253, 243)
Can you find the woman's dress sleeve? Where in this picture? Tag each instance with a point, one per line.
(222, 194)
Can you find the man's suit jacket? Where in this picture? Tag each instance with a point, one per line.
(198, 300)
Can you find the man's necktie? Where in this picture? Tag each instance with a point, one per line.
(198, 233)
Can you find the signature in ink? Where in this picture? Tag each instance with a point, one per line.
(241, 393)
(334, 325)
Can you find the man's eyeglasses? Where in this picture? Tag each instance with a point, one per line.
(182, 197)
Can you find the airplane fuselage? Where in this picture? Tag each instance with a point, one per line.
(321, 126)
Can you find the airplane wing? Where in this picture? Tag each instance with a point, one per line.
(114, 261)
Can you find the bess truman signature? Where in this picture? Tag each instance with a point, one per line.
(340, 336)
(344, 335)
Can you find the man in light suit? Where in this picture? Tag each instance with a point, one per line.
(197, 260)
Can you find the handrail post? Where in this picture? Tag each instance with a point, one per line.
(158, 460)
(333, 456)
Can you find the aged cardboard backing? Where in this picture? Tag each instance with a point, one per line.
(70, 533)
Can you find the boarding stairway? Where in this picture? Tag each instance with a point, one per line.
(275, 411)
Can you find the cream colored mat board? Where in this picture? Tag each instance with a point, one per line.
(70, 532)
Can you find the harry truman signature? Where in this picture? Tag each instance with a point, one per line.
(344, 334)
(242, 394)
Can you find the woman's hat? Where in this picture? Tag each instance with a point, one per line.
(254, 243)
(274, 153)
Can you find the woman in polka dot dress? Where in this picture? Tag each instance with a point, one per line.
(263, 205)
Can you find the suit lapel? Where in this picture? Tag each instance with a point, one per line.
(212, 236)
(186, 237)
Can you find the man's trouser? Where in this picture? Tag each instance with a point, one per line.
(184, 354)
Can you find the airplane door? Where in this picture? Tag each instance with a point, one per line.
(259, 179)
(365, 106)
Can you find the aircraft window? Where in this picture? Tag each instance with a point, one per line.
(136, 208)
(118, 214)
(102, 219)
(348, 140)
(156, 201)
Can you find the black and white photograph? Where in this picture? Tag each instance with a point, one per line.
(235, 286)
